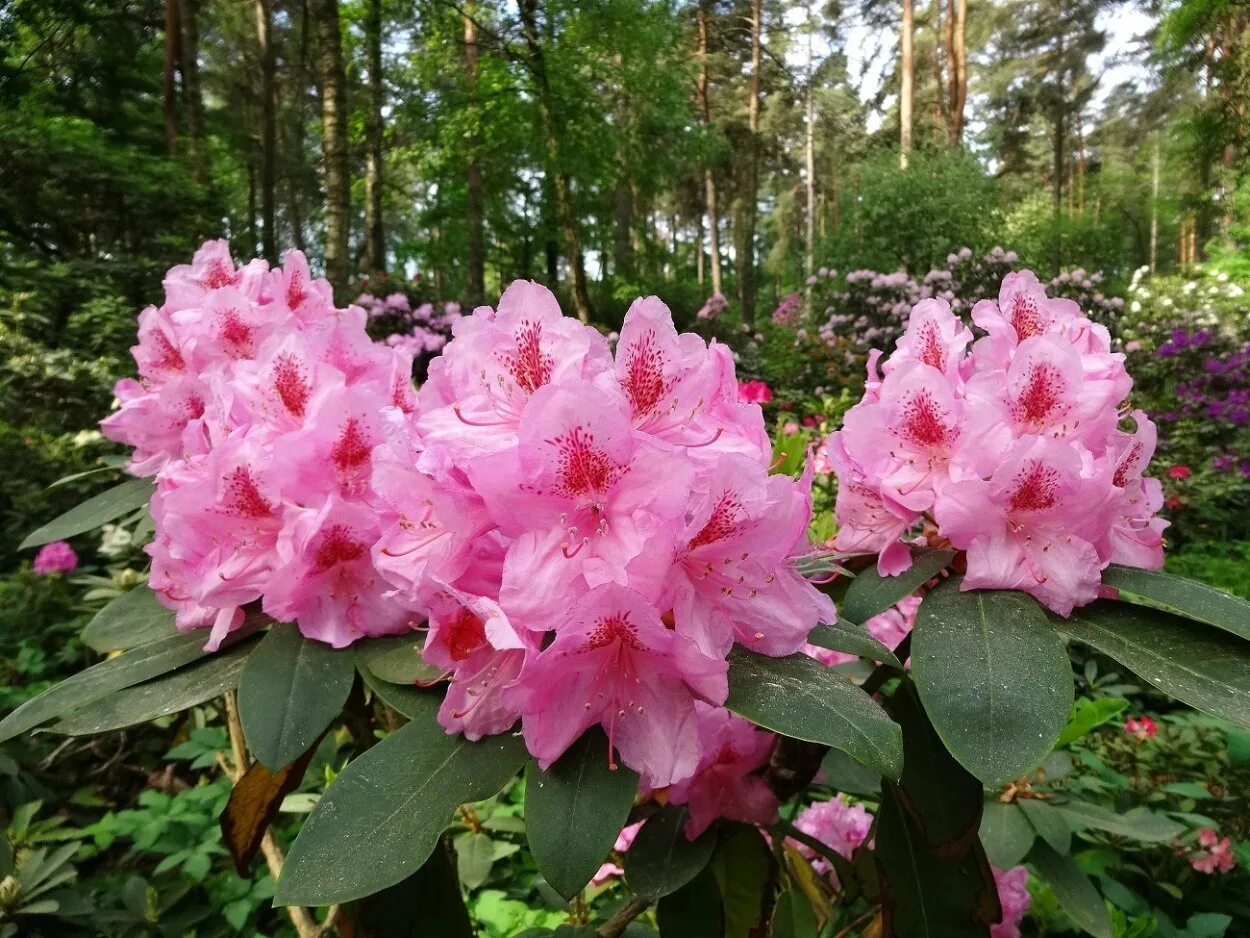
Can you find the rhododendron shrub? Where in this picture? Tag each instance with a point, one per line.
(574, 561)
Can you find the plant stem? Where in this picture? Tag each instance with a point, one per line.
(616, 925)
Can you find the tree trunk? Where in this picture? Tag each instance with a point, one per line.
(329, 63)
(268, 128)
(957, 63)
(810, 146)
(709, 179)
(941, 56)
(295, 129)
(905, 94)
(746, 238)
(1060, 143)
(192, 95)
(169, 104)
(1154, 207)
(623, 218)
(476, 203)
(699, 252)
(375, 233)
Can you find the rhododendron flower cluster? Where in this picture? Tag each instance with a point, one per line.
(57, 557)
(1015, 899)
(257, 409)
(1009, 447)
(1215, 853)
(1143, 728)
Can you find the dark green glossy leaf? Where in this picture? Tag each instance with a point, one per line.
(846, 636)
(870, 593)
(746, 872)
(290, 690)
(134, 618)
(410, 701)
(1006, 834)
(134, 667)
(426, 904)
(117, 501)
(793, 916)
(383, 815)
(197, 683)
(1073, 889)
(575, 810)
(1138, 824)
(396, 659)
(800, 698)
(1201, 666)
(1087, 715)
(661, 860)
(1050, 824)
(693, 911)
(1191, 599)
(994, 677)
(842, 773)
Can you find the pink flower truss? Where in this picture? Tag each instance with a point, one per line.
(57, 557)
(1010, 444)
(837, 824)
(754, 392)
(1215, 855)
(1143, 728)
(1013, 895)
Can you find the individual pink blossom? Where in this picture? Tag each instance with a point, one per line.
(57, 557)
(726, 782)
(839, 825)
(754, 392)
(1215, 855)
(624, 840)
(1143, 727)
(1135, 537)
(1015, 899)
(935, 337)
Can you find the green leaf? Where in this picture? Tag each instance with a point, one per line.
(746, 872)
(132, 619)
(575, 810)
(661, 860)
(428, 903)
(842, 773)
(290, 690)
(1050, 825)
(408, 701)
(693, 911)
(937, 881)
(794, 917)
(845, 636)
(1138, 824)
(197, 683)
(133, 667)
(1073, 889)
(1203, 667)
(396, 659)
(994, 677)
(798, 697)
(1191, 599)
(1006, 834)
(1087, 715)
(383, 815)
(870, 593)
(117, 501)
(475, 855)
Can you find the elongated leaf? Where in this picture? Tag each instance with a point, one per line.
(396, 659)
(1050, 824)
(994, 677)
(793, 916)
(693, 911)
(1138, 824)
(575, 810)
(254, 802)
(383, 815)
(661, 860)
(846, 636)
(1088, 715)
(290, 690)
(1204, 667)
(798, 697)
(1190, 598)
(746, 871)
(117, 501)
(408, 701)
(134, 667)
(132, 619)
(1006, 833)
(427, 904)
(197, 683)
(475, 855)
(1073, 889)
(870, 593)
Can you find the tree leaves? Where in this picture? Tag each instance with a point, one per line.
(853, 639)
(798, 697)
(1073, 889)
(134, 618)
(1089, 714)
(994, 678)
(290, 690)
(661, 860)
(870, 593)
(1049, 824)
(117, 501)
(383, 816)
(575, 810)
(693, 911)
(1192, 599)
(134, 667)
(1201, 666)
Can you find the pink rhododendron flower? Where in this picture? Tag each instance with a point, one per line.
(1014, 897)
(1142, 727)
(754, 392)
(57, 557)
(624, 840)
(837, 824)
(1216, 855)
(725, 783)
(1010, 446)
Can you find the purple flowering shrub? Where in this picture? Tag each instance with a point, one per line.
(406, 318)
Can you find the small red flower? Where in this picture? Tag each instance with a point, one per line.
(1178, 472)
(1141, 727)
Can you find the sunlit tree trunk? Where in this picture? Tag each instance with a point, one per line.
(749, 209)
(192, 95)
(375, 232)
(475, 209)
(1154, 207)
(268, 128)
(810, 161)
(169, 105)
(957, 59)
(324, 15)
(906, 79)
(709, 178)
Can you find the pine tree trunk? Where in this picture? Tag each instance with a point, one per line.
(475, 207)
(375, 234)
(810, 146)
(169, 105)
(709, 179)
(336, 169)
(906, 78)
(268, 128)
(192, 95)
(957, 58)
(746, 237)
(1060, 143)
